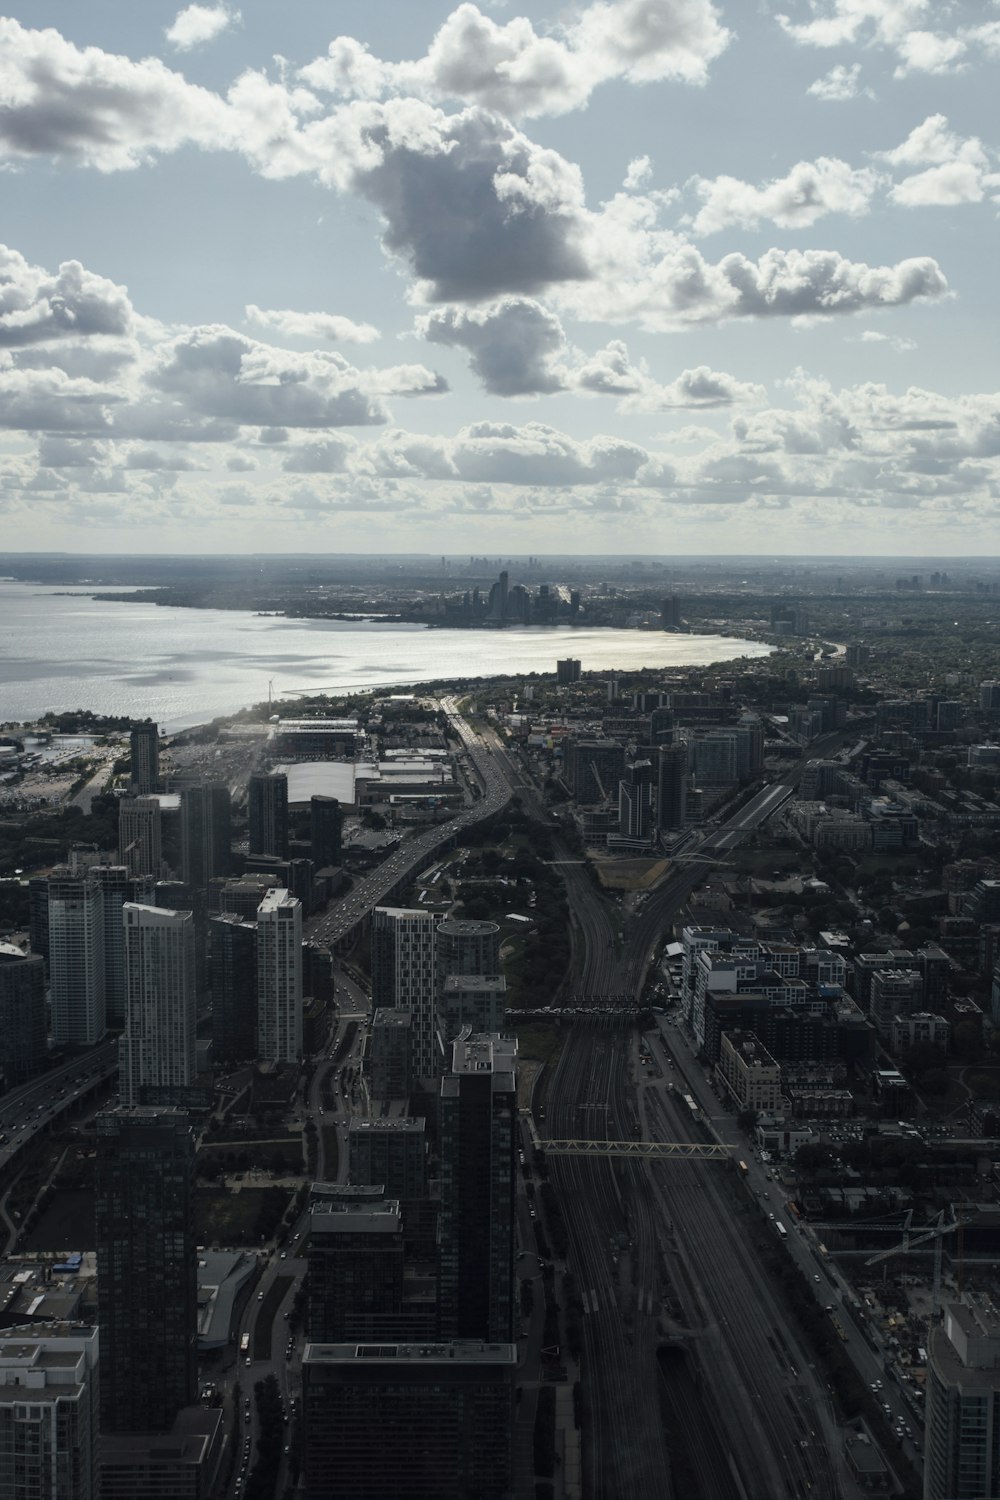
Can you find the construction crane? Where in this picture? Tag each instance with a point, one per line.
(935, 1232)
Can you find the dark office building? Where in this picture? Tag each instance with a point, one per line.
(38, 915)
(147, 1292)
(421, 1421)
(671, 786)
(567, 671)
(477, 1123)
(267, 808)
(144, 740)
(117, 886)
(326, 828)
(206, 833)
(388, 1152)
(22, 1015)
(234, 988)
(355, 1269)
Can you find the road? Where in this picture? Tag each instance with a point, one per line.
(342, 921)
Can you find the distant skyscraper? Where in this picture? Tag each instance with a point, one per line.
(279, 978)
(234, 988)
(22, 1015)
(206, 835)
(671, 790)
(267, 803)
(139, 835)
(157, 1049)
(326, 821)
(49, 1424)
(76, 961)
(145, 747)
(404, 975)
(147, 1286)
(567, 671)
(477, 1126)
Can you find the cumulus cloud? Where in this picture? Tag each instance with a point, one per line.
(223, 374)
(37, 307)
(900, 27)
(515, 345)
(96, 107)
(640, 169)
(52, 401)
(327, 456)
(319, 327)
(837, 86)
(197, 24)
(806, 193)
(956, 169)
(513, 69)
(611, 372)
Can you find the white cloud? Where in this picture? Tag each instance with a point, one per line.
(806, 193)
(956, 169)
(197, 24)
(837, 86)
(316, 326)
(640, 169)
(511, 68)
(37, 307)
(223, 374)
(98, 108)
(899, 26)
(516, 346)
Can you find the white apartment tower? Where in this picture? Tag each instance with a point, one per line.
(76, 960)
(404, 976)
(157, 1048)
(49, 1414)
(279, 977)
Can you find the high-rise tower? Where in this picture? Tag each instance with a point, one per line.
(267, 807)
(76, 960)
(279, 978)
(477, 1126)
(157, 1049)
(147, 1289)
(139, 835)
(205, 833)
(145, 749)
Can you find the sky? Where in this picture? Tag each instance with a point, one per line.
(626, 276)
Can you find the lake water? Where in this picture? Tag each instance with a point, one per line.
(180, 667)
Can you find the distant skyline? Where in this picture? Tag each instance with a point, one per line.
(644, 277)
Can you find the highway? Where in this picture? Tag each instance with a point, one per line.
(341, 921)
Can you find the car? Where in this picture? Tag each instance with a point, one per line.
(816, 1278)
(260, 1296)
(248, 1361)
